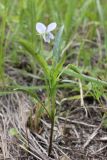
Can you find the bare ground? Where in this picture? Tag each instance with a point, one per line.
(78, 135)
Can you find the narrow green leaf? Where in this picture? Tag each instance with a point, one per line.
(84, 77)
(5, 93)
(28, 46)
(57, 45)
(74, 68)
(59, 67)
(12, 89)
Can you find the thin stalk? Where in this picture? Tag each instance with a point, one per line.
(51, 138)
(3, 25)
(53, 107)
(32, 15)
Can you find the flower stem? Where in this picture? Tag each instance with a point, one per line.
(51, 138)
(52, 121)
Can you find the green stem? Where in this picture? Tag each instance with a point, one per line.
(3, 26)
(51, 138)
(53, 110)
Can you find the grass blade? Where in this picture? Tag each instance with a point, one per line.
(84, 77)
(57, 45)
(37, 57)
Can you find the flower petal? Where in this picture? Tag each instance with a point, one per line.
(46, 38)
(51, 27)
(41, 28)
(51, 36)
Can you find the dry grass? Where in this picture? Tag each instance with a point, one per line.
(76, 136)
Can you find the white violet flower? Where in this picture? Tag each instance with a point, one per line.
(45, 31)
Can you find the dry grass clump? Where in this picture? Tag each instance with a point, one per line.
(14, 112)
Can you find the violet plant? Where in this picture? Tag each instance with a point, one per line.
(53, 71)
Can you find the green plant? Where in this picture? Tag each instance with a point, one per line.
(51, 75)
(3, 13)
(77, 16)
